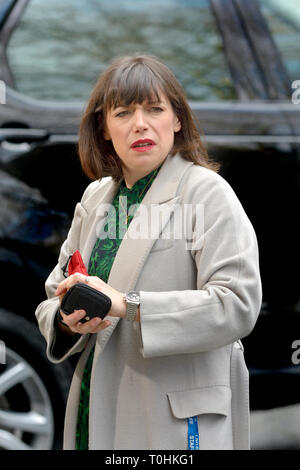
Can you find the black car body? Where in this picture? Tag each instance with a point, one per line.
(256, 139)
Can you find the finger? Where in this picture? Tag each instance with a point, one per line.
(100, 325)
(66, 284)
(73, 319)
(92, 326)
(62, 287)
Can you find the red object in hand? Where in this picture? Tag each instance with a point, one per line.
(76, 264)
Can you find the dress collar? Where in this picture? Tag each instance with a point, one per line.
(141, 186)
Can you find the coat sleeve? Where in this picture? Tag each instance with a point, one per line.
(226, 302)
(60, 346)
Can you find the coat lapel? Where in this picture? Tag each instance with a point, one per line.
(132, 253)
(97, 218)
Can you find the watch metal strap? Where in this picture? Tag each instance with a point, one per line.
(131, 309)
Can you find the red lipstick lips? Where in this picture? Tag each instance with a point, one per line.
(142, 145)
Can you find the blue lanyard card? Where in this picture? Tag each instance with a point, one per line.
(193, 434)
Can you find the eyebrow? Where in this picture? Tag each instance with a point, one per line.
(124, 105)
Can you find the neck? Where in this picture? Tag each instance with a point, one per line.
(130, 179)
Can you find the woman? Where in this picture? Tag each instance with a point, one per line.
(166, 226)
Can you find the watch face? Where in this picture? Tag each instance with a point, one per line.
(133, 296)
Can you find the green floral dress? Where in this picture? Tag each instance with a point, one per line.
(100, 264)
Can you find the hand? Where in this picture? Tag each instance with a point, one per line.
(73, 324)
(118, 307)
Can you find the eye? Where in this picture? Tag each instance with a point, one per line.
(156, 109)
(123, 113)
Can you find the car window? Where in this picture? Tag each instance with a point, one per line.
(59, 48)
(283, 17)
(5, 5)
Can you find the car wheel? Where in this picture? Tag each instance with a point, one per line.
(32, 390)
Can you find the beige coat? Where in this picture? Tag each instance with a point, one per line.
(184, 358)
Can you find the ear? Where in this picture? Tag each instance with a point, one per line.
(177, 124)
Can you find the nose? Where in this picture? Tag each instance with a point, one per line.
(140, 122)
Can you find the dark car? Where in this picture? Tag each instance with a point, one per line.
(239, 64)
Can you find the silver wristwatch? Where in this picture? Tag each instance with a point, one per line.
(132, 300)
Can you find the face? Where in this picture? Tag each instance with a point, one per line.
(142, 135)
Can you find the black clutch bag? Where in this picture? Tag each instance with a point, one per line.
(83, 297)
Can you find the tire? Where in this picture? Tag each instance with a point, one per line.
(33, 391)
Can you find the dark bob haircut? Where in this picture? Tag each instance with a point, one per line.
(134, 79)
